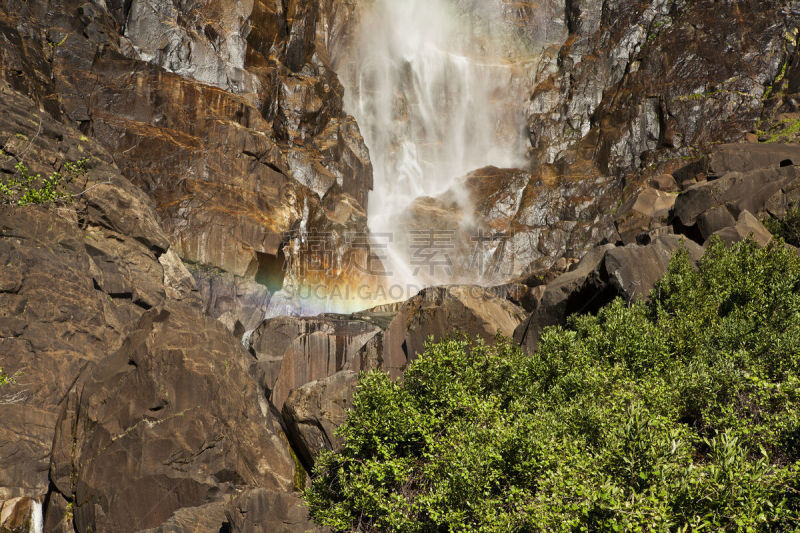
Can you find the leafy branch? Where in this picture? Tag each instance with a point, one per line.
(24, 188)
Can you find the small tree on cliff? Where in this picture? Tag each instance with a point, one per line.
(681, 414)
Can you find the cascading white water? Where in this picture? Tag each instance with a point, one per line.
(37, 518)
(434, 87)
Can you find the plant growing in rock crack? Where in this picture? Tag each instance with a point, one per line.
(24, 188)
(682, 414)
(5, 379)
(16, 397)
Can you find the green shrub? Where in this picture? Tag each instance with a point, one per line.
(678, 415)
(24, 188)
(787, 228)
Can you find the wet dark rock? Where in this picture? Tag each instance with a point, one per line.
(640, 82)
(293, 351)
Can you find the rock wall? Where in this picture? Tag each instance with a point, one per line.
(639, 82)
(225, 113)
(217, 149)
(211, 132)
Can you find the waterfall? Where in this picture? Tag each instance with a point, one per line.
(37, 518)
(437, 88)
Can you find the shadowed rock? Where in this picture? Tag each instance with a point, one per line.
(74, 280)
(746, 226)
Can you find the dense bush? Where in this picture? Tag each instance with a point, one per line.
(678, 415)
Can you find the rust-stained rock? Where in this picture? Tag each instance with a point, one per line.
(202, 110)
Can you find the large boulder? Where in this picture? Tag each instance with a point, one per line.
(767, 188)
(171, 420)
(633, 270)
(738, 157)
(578, 290)
(314, 411)
(756, 191)
(605, 273)
(746, 227)
(439, 312)
(292, 351)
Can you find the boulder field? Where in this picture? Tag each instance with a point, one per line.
(150, 391)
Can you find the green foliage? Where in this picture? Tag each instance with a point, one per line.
(5, 379)
(24, 188)
(678, 415)
(785, 130)
(787, 228)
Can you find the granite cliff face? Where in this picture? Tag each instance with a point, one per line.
(221, 168)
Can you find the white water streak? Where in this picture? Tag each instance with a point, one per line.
(37, 518)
